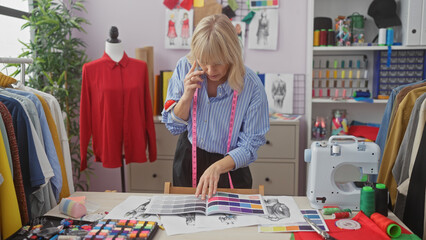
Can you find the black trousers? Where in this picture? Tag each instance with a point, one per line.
(182, 166)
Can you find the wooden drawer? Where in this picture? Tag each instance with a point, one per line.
(281, 142)
(278, 178)
(166, 142)
(150, 177)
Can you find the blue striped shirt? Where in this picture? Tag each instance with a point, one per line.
(213, 115)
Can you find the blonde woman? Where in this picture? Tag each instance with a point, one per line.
(211, 92)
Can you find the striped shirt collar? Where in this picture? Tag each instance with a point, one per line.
(223, 90)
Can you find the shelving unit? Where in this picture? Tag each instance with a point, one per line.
(361, 111)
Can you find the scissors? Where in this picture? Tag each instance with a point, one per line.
(323, 234)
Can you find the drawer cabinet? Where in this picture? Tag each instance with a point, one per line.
(276, 167)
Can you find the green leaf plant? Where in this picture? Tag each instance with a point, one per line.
(58, 60)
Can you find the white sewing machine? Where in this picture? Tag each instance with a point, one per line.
(336, 168)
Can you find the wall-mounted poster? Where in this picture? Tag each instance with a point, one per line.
(263, 30)
(279, 91)
(240, 27)
(178, 28)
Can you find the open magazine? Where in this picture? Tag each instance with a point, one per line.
(221, 202)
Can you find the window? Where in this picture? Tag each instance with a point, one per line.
(10, 25)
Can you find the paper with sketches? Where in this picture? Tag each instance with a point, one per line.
(281, 210)
(178, 28)
(183, 223)
(133, 208)
(279, 91)
(263, 30)
(226, 220)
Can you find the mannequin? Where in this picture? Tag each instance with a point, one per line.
(115, 109)
(113, 46)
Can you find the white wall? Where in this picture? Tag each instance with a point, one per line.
(141, 23)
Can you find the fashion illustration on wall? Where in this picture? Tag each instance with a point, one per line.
(263, 30)
(279, 90)
(178, 28)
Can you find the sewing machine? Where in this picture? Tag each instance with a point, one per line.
(336, 168)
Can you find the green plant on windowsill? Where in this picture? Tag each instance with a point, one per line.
(58, 60)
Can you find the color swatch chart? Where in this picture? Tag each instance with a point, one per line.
(312, 214)
(219, 203)
(122, 229)
(264, 4)
(235, 204)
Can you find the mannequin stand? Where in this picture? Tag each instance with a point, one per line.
(123, 177)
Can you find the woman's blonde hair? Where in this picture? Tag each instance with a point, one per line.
(215, 41)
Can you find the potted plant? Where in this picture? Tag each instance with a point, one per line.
(58, 60)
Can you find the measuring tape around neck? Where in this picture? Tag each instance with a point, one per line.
(194, 135)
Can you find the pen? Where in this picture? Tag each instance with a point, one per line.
(160, 225)
(321, 232)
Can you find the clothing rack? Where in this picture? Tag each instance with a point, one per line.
(21, 61)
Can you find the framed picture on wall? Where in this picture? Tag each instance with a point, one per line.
(263, 30)
(178, 29)
(279, 91)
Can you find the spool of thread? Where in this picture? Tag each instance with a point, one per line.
(316, 38)
(340, 215)
(389, 37)
(367, 204)
(327, 73)
(360, 93)
(381, 199)
(72, 208)
(323, 38)
(334, 74)
(390, 227)
(382, 37)
(330, 211)
(331, 38)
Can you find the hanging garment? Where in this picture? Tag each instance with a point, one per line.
(401, 95)
(415, 205)
(116, 110)
(384, 125)
(65, 192)
(63, 136)
(395, 136)
(6, 143)
(401, 170)
(49, 146)
(31, 111)
(17, 174)
(10, 217)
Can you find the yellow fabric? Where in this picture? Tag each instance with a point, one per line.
(394, 139)
(65, 192)
(10, 218)
(6, 80)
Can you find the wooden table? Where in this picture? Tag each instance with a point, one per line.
(108, 200)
